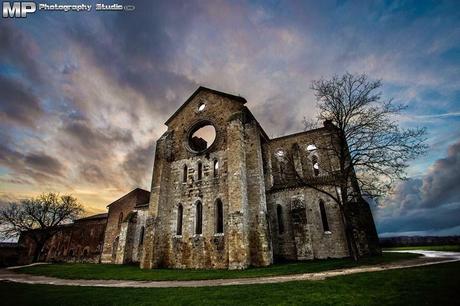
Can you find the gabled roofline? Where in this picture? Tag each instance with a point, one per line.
(93, 217)
(202, 88)
(126, 195)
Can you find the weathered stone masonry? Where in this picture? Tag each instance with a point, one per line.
(126, 218)
(225, 196)
(255, 187)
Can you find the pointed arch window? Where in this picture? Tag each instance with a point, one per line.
(199, 218)
(314, 161)
(200, 171)
(120, 219)
(282, 170)
(180, 215)
(216, 168)
(184, 174)
(141, 236)
(322, 210)
(219, 217)
(279, 214)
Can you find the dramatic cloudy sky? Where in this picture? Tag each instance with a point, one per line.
(83, 96)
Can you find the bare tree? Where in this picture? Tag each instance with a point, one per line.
(367, 145)
(40, 215)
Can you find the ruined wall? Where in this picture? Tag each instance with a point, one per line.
(138, 234)
(131, 236)
(119, 212)
(303, 235)
(291, 159)
(293, 155)
(230, 249)
(77, 242)
(260, 243)
(256, 175)
(364, 231)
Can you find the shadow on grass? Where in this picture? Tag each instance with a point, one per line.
(132, 272)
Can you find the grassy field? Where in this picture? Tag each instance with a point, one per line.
(431, 285)
(131, 272)
(445, 248)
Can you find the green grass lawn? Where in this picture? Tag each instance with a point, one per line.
(431, 285)
(445, 248)
(131, 272)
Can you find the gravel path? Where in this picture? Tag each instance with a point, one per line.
(429, 258)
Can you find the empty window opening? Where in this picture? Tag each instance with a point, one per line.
(219, 217)
(120, 219)
(314, 161)
(280, 153)
(199, 218)
(322, 209)
(311, 147)
(180, 214)
(216, 168)
(282, 172)
(141, 236)
(279, 214)
(200, 171)
(201, 107)
(202, 137)
(184, 174)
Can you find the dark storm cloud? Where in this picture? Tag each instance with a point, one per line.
(91, 138)
(428, 203)
(441, 184)
(139, 163)
(18, 104)
(158, 32)
(93, 174)
(97, 87)
(39, 166)
(18, 49)
(422, 220)
(43, 163)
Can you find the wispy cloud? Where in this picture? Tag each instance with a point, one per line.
(85, 97)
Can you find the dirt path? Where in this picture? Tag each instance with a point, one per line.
(429, 258)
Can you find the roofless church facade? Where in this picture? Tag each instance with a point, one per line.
(224, 195)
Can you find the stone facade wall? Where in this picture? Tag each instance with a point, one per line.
(208, 249)
(80, 241)
(119, 215)
(253, 179)
(269, 213)
(131, 237)
(291, 159)
(304, 236)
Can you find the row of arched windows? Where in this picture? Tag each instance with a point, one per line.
(198, 230)
(200, 171)
(314, 165)
(322, 209)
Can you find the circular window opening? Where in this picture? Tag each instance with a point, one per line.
(201, 107)
(201, 137)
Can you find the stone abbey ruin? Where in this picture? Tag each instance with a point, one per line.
(223, 195)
